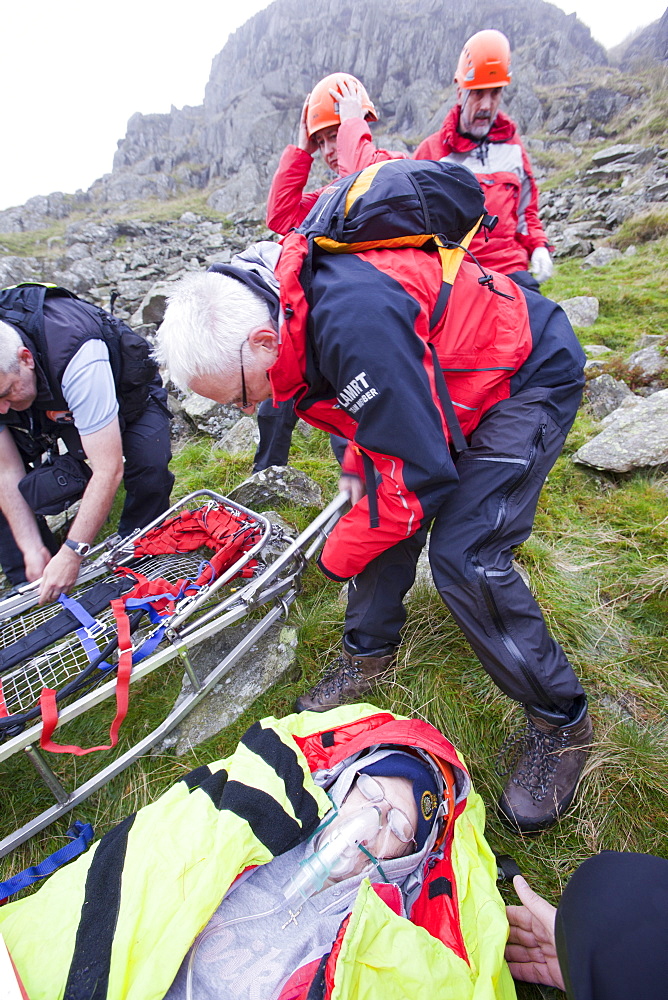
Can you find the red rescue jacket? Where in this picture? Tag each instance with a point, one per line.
(364, 371)
(503, 168)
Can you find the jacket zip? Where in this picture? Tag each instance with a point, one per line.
(530, 678)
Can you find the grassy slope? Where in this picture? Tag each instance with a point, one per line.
(597, 561)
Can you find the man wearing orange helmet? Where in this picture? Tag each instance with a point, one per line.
(333, 122)
(477, 135)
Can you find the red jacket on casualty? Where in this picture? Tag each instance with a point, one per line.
(287, 205)
(502, 166)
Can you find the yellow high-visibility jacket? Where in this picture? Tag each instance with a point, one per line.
(116, 923)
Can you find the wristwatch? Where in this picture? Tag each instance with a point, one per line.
(81, 548)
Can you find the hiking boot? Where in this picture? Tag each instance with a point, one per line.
(548, 758)
(351, 676)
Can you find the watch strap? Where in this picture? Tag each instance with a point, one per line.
(81, 548)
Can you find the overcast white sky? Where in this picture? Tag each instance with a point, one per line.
(72, 73)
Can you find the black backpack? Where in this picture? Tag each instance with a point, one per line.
(401, 203)
(404, 203)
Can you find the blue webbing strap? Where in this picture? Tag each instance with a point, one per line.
(89, 626)
(371, 489)
(134, 604)
(81, 835)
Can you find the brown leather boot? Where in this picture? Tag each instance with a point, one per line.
(351, 676)
(548, 762)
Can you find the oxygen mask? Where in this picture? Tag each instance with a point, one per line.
(376, 821)
(337, 854)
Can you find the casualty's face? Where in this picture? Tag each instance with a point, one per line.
(398, 794)
(326, 140)
(479, 108)
(19, 389)
(394, 793)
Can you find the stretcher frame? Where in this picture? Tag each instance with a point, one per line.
(275, 586)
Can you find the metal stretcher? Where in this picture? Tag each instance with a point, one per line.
(82, 665)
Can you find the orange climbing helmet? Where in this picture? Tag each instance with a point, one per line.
(323, 108)
(484, 61)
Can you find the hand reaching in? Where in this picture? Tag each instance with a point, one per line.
(353, 486)
(531, 951)
(541, 265)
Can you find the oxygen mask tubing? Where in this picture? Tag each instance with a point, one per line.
(339, 848)
(338, 853)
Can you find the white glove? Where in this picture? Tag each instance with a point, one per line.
(541, 265)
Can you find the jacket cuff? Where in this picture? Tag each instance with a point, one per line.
(331, 576)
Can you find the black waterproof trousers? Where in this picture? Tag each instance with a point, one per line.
(612, 928)
(471, 555)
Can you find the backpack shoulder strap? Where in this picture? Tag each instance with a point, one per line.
(458, 439)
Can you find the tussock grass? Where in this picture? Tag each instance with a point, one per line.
(631, 294)
(642, 228)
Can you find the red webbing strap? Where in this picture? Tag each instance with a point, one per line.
(152, 588)
(192, 529)
(3, 704)
(49, 707)
(222, 560)
(185, 532)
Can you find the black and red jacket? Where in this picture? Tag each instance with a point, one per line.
(355, 357)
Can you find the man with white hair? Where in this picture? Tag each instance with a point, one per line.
(356, 352)
(72, 372)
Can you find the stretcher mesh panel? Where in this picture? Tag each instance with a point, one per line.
(171, 567)
(63, 661)
(66, 659)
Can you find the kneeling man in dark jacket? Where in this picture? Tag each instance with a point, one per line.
(72, 372)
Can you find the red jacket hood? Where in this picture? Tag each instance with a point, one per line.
(326, 748)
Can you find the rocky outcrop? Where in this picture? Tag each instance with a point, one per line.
(563, 88)
(231, 143)
(133, 261)
(652, 43)
(258, 81)
(36, 210)
(592, 206)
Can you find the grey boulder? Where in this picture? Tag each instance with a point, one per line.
(582, 310)
(634, 436)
